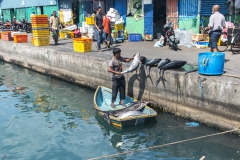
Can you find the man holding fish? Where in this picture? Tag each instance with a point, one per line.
(118, 80)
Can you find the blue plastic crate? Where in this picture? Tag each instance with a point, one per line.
(134, 37)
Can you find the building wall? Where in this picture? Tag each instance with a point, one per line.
(26, 3)
(133, 26)
(172, 12)
(188, 12)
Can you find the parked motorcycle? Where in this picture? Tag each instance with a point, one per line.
(7, 25)
(169, 37)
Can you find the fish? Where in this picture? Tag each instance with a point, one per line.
(153, 61)
(135, 106)
(174, 65)
(130, 113)
(134, 65)
(163, 63)
(143, 59)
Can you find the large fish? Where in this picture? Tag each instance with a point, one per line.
(174, 65)
(153, 61)
(163, 63)
(134, 64)
(135, 106)
(130, 113)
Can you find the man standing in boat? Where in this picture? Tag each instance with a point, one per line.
(118, 80)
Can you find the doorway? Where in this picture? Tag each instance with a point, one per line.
(75, 9)
(159, 17)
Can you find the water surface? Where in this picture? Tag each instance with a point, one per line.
(45, 118)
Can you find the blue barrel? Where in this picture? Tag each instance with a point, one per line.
(211, 63)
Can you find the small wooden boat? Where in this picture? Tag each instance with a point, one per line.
(102, 102)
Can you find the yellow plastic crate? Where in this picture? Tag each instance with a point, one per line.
(118, 27)
(41, 15)
(40, 25)
(82, 44)
(89, 20)
(62, 35)
(40, 32)
(41, 41)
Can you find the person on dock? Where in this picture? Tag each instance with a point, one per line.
(107, 30)
(118, 80)
(99, 30)
(216, 25)
(54, 25)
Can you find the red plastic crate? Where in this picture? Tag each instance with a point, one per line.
(20, 38)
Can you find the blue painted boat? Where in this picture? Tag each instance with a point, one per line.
(102, 101)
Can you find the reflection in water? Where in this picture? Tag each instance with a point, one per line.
(45, 118)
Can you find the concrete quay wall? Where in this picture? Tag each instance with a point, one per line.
(214, 101)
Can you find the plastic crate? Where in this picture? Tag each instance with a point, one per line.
(39, 16)
(118, 27)
(40, 25)
(89, 20)
(62, 35)
(39, 21)
(20, 38)
(41, 41)
(134, 37)
(82, 44)
(6, 36)
(202, 44)
(71, 34)
(40, 32)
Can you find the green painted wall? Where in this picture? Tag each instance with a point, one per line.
(29, 12)
(190, 24)
(20, 13)
(133, 26)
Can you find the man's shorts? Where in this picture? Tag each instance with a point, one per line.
(214, 36)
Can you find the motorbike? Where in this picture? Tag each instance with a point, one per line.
(169, 36)
(7, 25)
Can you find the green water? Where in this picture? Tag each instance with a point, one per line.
(51, 119)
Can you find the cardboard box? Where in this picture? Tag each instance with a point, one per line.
(197, 37)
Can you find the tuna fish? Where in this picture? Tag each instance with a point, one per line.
(174, 65)
(153, 62)
(135, 106)
(163, 63)
(130, 113)
(134, 64)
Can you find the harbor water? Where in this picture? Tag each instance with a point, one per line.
(42, 117)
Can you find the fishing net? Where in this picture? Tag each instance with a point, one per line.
(185, 37)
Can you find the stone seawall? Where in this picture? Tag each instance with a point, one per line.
(210, 100)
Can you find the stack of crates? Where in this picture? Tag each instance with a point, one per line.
(82, 44)
(40, 30)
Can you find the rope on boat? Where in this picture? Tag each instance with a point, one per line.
(163, 145)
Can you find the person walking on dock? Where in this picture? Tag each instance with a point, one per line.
(118, 80)
(99, 30)
(54, 25)
(216, 25)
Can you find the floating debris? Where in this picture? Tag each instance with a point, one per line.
(119, 144)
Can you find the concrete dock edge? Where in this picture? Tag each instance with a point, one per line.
(212, 100)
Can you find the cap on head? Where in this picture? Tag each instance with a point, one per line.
(116, 50)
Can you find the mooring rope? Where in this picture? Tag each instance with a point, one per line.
(163, 145)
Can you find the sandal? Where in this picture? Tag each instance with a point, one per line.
(113, 105)
(124, 105)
